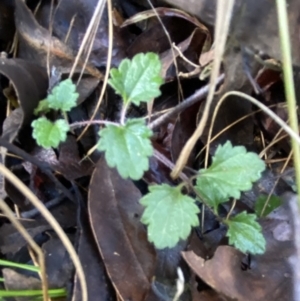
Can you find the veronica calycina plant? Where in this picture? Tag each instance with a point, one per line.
(169, 213)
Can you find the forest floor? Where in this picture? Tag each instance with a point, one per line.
(102, 200)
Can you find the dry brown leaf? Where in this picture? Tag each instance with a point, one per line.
(115, 213)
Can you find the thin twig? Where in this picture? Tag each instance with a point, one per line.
(224, 11)
(96, 15)
(197, 96)
(160, 157)
(264, 108)
(38, 251)
(171, 47)
(50, 204)
(108, 64)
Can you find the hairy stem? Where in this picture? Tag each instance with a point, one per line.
(90, 122)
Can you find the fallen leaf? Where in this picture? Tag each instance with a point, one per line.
(269, 276)
(253, 24)
(76, 17)
(36, 42)
(30, 83)
(115, 213)
(98, 283)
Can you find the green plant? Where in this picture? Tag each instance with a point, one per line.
(53, 293)
(169, 213)
(289, 85)
(62, 98)
(266, 204)
(233, 170)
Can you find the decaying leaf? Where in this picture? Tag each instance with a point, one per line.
(115, 214)
(30, 83)
(267, 276)
(253, 24)
(97, 280)
(36, 42)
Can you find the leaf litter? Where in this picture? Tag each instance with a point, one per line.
(111, 240)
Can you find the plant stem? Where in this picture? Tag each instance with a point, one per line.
(65, 115)
(289, 83)
(201, 199)
(60, 292)
(123, 113)
(231, 209)
(89, 122)
(27, 267)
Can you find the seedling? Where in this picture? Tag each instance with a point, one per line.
(62, 98)
(169, 214)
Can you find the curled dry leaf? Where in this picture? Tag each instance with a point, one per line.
(253, 23)
(29, 81)
(167, 12)
(36, 42)
(76, 16)
(193, 44)
(115, 213)
(30, 84)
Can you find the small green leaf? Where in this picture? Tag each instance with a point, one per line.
(63, 96)
(48, 134)
(245, 233)
(43, 107)
(274, 202)
(127, 147)
(210, 194)
(169, 215)
(138, 79)
(233, 170)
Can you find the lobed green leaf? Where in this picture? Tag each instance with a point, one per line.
(49, 134)
(43, 107)
(245, 233)
(169, 215)
(233, 170)
(63, 96)
(210, 194)
(127, 147)
(138, 79)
